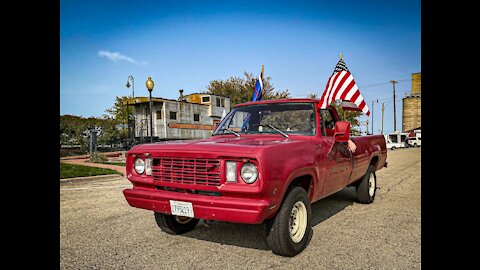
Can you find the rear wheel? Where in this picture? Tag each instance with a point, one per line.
(175, 224)
(393, 147)
(367, 188)
(290, 231)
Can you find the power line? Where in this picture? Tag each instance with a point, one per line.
(383, 83)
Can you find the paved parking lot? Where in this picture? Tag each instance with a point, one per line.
(99, 230)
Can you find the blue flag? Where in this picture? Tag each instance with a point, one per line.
(257, 93)
(257, 96)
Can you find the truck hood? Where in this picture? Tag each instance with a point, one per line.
(229, 143)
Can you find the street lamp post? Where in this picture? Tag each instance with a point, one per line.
(130, 77)
(150, 85)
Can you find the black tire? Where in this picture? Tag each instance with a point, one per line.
(363, 189)
(175, 224)
(393, 147)
(278, 229)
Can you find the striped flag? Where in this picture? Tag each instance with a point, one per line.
(257, 93)
(257, 96)
(341, 85)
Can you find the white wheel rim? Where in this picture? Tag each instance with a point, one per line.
(182, 220)
(298, 222)
(371, 183)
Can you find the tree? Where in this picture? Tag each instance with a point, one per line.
(351, 116)
(74, 131)
(119, 114)
(240, 90)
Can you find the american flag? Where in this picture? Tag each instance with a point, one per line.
(341, 85)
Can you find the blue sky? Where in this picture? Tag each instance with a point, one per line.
(186, 44)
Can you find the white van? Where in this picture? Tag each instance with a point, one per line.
(415, 142)
(396, 140)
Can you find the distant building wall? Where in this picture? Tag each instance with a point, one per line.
(412, 105)
(416, 83)
(194, 118)
(219, 104)
(184, 125)
(412, 113)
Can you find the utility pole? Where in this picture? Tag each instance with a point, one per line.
(372, 113)
(383, 109)
(394, 107)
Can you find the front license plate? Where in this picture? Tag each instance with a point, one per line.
(179, 208)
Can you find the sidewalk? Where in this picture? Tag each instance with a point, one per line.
(82, 161)
(87, 156)
(96, 178)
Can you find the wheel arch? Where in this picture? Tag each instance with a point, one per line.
(305, 178)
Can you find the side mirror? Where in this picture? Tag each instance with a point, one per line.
(342, 131)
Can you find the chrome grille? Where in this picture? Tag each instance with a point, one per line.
(187, 170)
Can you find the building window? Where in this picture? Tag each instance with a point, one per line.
(205, 99)
(220, 102)
(196, 117)
(159, 115)
(173, 115)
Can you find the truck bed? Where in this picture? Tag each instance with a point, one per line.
(369, 145)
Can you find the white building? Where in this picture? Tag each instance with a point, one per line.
(192, 116)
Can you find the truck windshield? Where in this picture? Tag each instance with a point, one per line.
(289, 118)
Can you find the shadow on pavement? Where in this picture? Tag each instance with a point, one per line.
(253, 236)
(327, 207)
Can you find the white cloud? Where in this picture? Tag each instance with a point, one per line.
(116, 56)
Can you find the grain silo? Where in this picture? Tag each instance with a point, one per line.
(412, 106)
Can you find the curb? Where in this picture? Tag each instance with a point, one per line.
(91, 178)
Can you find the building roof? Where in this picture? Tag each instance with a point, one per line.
(139, 100)
(205, 94)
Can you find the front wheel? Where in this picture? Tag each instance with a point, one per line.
(175, 224)
(290, 231)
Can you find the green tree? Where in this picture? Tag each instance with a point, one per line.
(240, 89)
(119, 112)
(351, 116)
(72, 130)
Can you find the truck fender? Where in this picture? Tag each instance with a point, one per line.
(310, 172)
(375, 155)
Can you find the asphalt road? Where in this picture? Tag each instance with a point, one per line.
(99, 230)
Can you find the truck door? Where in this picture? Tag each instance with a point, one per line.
(338, 164)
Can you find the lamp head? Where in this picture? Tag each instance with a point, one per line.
(149, 84)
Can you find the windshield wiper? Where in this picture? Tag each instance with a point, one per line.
(281, 132)
(231, 131)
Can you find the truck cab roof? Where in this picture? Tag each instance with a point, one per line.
(283, 100)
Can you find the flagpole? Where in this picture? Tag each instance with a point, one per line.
(344, 113)
(262, 72)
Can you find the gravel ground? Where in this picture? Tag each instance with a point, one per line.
(99, 230)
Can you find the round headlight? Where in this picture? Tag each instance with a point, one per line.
(139, 165)
(249, 173)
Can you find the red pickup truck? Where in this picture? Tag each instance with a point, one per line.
(266, 162)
